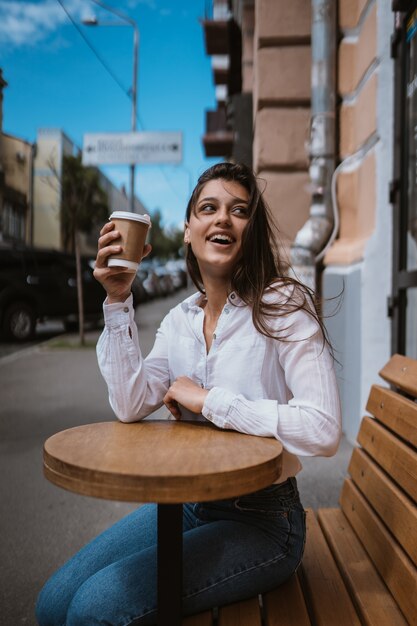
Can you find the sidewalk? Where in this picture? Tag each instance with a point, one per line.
(44, 390)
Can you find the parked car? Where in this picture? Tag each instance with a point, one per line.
(178, 270)
(147, 275)
(161, 278)
(139, 292)
(165, 280)
(37, 284)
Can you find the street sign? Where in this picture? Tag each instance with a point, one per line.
(130, 148)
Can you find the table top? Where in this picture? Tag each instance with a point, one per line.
(160, 461)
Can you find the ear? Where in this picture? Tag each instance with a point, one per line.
(186, 233)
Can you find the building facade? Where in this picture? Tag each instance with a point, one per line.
(16, 183)
(333, 138)
(30, 193)
(51, 146)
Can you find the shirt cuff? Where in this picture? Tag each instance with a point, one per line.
(216, 406)
(119, 313)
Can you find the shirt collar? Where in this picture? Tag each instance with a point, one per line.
(193, 301)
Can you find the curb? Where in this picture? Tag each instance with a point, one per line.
(15, 356)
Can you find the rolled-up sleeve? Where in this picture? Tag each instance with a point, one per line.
(136, 385)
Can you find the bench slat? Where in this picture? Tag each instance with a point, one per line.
(401, 371)
(246, 613)
(394, 456)
(395, 411)
(201, 619)
(398, 572)
(285, 606)
(397, 511)
(373, 600)
(327, 598)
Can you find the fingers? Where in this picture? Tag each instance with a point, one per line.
(107, 234)
(104, 253)
(103, 272)
(108, 226)
(107, 244)
(171, 404)
(173, 408)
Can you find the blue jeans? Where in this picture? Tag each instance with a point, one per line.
(233, 549)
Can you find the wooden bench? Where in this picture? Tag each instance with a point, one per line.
(359, 565)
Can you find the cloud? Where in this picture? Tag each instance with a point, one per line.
(151, 4)
(28, 23)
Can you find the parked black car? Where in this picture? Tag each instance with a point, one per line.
(37, 284)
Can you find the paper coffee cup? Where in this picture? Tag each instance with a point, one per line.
(133, 229)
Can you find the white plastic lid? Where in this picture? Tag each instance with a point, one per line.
(127, 215)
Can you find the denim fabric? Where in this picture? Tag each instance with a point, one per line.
(233, 549)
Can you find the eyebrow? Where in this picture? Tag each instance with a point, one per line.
(213, 199)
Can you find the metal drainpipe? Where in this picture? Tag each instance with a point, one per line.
(312, 237)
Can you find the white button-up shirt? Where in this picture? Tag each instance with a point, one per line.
(257, 385)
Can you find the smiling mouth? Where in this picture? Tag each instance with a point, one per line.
(223, 240)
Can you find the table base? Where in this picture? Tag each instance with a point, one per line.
(169, 564)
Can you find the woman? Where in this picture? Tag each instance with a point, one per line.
(253, 357)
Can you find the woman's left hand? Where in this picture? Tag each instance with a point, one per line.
(186, 392)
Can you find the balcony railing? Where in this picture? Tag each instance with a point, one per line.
(218, 139)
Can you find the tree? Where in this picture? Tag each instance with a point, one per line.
(84, 205)
(164, 244)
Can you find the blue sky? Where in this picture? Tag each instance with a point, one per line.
(56, 81)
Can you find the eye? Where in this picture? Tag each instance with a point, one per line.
(207, 208)
(241, 210)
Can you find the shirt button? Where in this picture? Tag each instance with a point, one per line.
(126, 309)
(226, 311)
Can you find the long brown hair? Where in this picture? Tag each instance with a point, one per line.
(260, 265)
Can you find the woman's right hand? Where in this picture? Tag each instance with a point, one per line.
(117, 281)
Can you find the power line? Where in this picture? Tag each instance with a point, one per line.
(95, 52)
(164, 174)
(115, 78)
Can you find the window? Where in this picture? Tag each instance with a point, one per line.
(14, 221)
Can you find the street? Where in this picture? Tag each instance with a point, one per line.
(44, 332)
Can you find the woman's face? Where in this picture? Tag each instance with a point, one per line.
(216, 226)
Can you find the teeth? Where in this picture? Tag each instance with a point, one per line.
(221, 238)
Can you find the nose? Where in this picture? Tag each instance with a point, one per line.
(222, 216)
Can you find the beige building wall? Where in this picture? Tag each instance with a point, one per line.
(16, 163)
(281, 105)
(359, 263)
(51, 147)
(358, 87)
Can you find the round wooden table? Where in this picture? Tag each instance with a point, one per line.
(166, 462)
